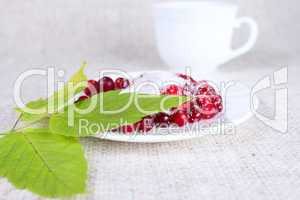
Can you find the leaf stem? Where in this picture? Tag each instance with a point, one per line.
(16, 122)
(30, 124)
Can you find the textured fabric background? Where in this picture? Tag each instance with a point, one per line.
(256, 162)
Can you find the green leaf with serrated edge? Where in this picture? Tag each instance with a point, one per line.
(57, 101)
(95, 121)
(46, 164)
(61, 98)
(34, 105)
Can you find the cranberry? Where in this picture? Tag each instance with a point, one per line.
(106, 84)
(81, 98)
(206, 90)
(145, 125)
(208, 107)
(127, 129)
(180, 118)
(203, 100)
(194, 117)
(190, 119)
(87, 92)
(121, 83)
(216, 99)
(219, 107)
(172, 90)
(92, 88)
(162, 119)
(93, 84)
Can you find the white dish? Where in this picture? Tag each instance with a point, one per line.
(237, 110)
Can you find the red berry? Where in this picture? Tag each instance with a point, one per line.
(208, 107)
(93, 84)
(216, 99)
(202, 90)
(172, 90)
(92, 88)
(162, 119)
(195, 116)
(127, 129)
(180, 118)
(87, 92)
(145, 125)
(219, 107)
(121, 83)
(203, 100)
(106, 84)
(195, 113)
(206, 90)
(81, 98)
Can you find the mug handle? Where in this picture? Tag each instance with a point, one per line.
(252, 38)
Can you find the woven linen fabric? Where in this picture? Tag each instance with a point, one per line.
(255, 162)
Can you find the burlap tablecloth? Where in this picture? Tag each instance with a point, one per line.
(256, 162)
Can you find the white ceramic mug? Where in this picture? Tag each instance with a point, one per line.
(199, 34)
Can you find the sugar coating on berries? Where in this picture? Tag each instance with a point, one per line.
(205, 103)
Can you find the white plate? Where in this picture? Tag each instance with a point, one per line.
(237, 110)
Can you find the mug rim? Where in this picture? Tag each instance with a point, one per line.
(187, 4)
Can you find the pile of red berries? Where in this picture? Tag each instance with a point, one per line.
(103, 85)
(205, 104)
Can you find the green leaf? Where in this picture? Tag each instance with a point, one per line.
(61, 98)
(73, 123)
(46, 164)
(39, 105)
(42, 108)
